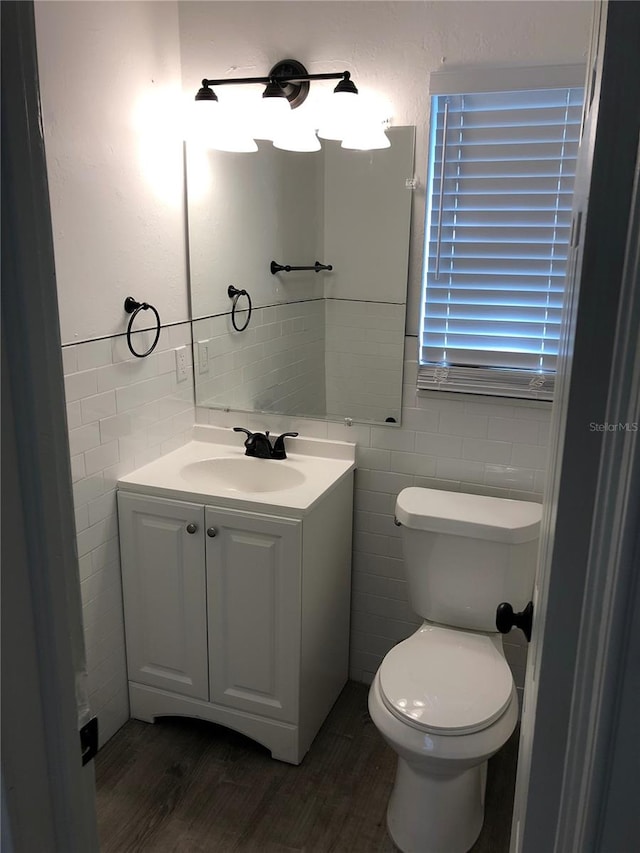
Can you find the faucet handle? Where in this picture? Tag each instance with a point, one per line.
(249, 441)
(278, 445)
(247, 432)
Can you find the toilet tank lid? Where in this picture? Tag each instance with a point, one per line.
(473, 516)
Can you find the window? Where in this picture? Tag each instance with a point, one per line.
(501, 172)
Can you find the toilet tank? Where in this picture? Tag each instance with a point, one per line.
(465, 554)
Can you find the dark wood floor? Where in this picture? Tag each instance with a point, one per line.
(186, 786)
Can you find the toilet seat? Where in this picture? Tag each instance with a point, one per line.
(445, 681)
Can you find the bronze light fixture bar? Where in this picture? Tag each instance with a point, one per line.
(288, 78)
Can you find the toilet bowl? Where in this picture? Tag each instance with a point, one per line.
(444, 699)
(437, 804)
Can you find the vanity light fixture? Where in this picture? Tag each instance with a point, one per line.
(286, 87)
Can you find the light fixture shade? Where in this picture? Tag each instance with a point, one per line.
(268, 117)
(272, 109)
(346, 85)
(203, 119)
(206, 93)
(231, 132)
(366, 137)
(339, 115)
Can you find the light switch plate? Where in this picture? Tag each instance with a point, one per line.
(181, 364)
(203, 356)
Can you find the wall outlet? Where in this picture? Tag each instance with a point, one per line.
(181, 364)
(203, 356)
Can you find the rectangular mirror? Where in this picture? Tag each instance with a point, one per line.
(325, 344)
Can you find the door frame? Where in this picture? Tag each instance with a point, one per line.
(581, 662)
(48, 796)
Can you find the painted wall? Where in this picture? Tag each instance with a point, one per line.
(110, 88)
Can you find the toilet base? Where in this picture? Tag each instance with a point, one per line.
(439, 814)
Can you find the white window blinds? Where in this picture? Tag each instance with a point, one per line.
(502, 166)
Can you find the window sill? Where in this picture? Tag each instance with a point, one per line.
(467, 396)
(487, 382)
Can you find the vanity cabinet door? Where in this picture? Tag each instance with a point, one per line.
(164, 591)
(253, 591)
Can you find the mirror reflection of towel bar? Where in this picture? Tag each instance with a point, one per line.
(276, 267)
(235, 294)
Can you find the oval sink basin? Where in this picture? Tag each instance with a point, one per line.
(242, 475)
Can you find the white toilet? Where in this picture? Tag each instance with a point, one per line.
(444, 699)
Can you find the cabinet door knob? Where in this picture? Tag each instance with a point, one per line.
(191, 528)
(211, 531)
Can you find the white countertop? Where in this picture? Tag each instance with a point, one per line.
(320, 464)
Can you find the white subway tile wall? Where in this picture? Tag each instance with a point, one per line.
(280, 366)
(363, 359)
(446, 441)
(122, 412)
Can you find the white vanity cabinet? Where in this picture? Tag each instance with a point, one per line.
(235, 616)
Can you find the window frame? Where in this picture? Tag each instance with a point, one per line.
(486, 380)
